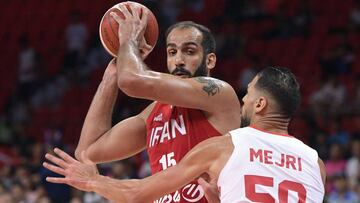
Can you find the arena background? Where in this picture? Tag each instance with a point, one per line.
(52, 61)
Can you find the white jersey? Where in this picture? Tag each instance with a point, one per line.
(270, 168)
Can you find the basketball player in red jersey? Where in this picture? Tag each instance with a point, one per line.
(188, 106)
(259, 162)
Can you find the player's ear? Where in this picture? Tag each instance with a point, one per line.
(260, 104)
(211, 60)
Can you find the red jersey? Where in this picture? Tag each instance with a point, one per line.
(171, 132)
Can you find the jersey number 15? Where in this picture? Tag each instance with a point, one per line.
(167, 160)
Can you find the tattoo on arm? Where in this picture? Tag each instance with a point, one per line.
(211, 86)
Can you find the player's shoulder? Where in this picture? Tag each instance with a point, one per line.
(213, 82)
(223, 95)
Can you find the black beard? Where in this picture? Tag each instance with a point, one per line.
(182, 71)
(245, 121)
(200, 71)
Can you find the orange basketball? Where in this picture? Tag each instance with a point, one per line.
(108, 29)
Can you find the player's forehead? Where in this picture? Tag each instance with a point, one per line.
(179, 37)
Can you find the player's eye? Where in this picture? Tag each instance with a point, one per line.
(190, 51)
(171, 52)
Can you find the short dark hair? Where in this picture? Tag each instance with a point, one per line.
(282, 86)
(208, 39)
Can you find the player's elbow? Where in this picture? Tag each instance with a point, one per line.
(77, 153)
(134, 85)
(127, 82)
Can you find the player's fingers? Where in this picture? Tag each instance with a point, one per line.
(115, 17)
(56, 180)
(136, 11)
(124, 10)
(147, 46)
(211, 193)
(64, 156)
(55, 169)
(144, 19)
(142, 26)
(56, 160)
(203, 183)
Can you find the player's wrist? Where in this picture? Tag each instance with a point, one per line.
(96, 184)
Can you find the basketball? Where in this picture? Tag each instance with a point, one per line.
(108, 28)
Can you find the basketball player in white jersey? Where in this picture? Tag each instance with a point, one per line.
(257, 163)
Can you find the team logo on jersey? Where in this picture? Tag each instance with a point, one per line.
(192, 192)
(158, 117)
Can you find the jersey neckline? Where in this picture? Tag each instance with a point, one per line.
(272, 133)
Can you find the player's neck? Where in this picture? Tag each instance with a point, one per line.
(272, 124)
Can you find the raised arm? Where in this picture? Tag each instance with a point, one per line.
(136, 80)
(98, 138)
(207, 157)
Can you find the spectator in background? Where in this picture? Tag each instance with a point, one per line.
(18, 193)
(353, 164)
(338, 134)
(303, 19)
(342, 193)
(321, 145)
(283, 26)
(355, 16)
(29, 69)
(339, 59)
(170, 9)
(252, 9)
(76, 36)
(355, 100)
(19, 112)
(5, 130)
(329, 97)
(334, 165)
(97, 56)
(248, 74)
(5, 197)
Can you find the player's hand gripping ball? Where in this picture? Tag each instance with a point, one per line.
(108, 29)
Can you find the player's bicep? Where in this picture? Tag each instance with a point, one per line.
(203, 93)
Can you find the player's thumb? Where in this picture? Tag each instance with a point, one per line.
(203, 183)
(210, 190)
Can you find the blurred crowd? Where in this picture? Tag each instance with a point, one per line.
(47, 102)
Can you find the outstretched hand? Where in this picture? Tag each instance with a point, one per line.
(76, 174)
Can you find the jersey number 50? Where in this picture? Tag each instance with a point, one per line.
(252, 180)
